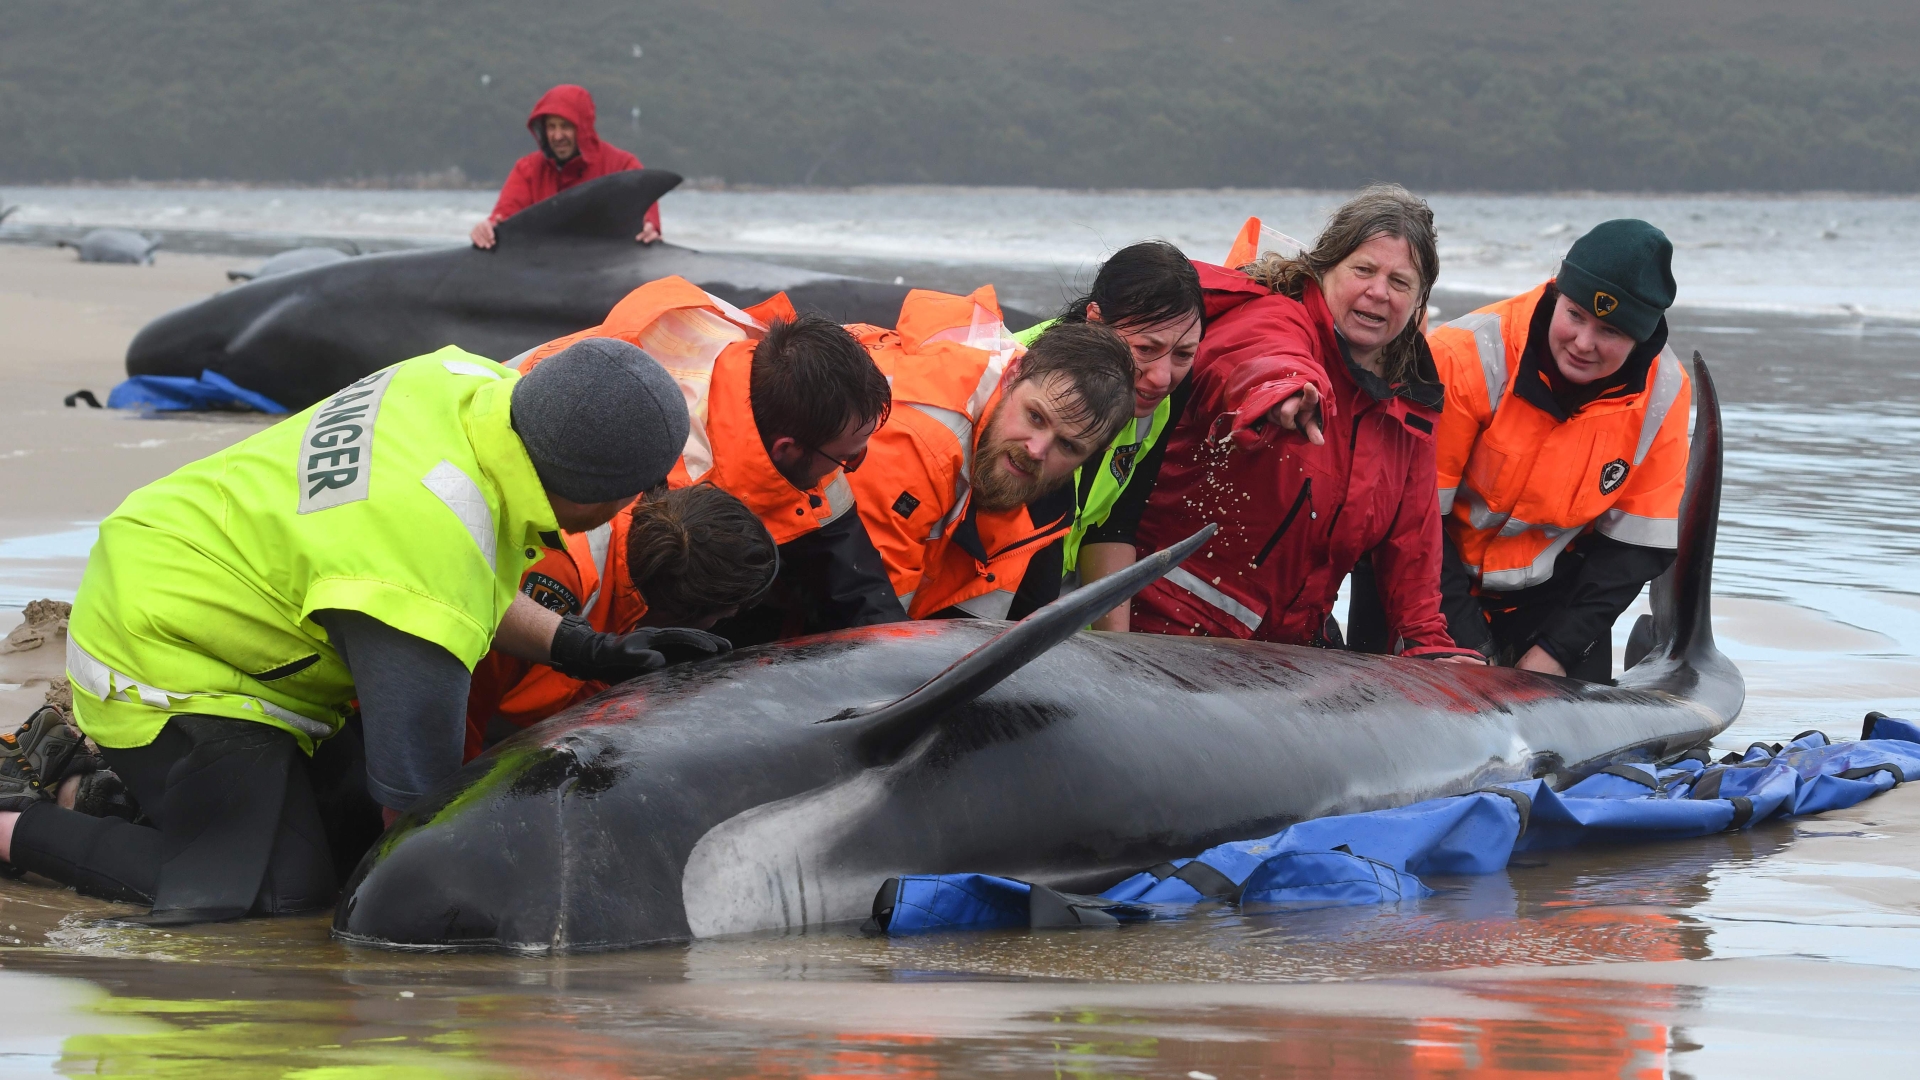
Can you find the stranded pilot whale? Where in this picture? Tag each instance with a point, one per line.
(766, 790)
(559, 266)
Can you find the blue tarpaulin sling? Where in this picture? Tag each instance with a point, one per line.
(177, 393)
(1379, 857)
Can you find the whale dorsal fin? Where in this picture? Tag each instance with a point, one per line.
(886, 730)
(613, 207)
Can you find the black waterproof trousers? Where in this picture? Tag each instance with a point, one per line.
(243, 824)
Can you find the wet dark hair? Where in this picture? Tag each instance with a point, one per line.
(1098, 367)
(1143, 284)
(698, 551)
(811, 381)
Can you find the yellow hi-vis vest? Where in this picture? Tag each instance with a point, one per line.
(1115, 465)
(406, 496)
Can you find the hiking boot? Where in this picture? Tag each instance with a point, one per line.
(47, 749)
(19, 786)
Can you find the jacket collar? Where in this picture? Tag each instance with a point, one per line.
(1533, 385)
(741, 466)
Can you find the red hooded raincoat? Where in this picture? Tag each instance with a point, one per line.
(537, 176)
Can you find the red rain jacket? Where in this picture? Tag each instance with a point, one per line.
(537, 176)
(1293, 517)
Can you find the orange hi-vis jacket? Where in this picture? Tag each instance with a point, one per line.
(1518, 484)
(588, 578)
(945, 363)
(706, 344)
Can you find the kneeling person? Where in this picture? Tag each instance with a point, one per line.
(369, 549)
(974, 440)
(1562, 455)
(691, 557)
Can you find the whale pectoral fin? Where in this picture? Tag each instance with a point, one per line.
(613, 207)
(884, 731)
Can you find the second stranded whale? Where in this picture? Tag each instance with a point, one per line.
(777, 788)
(559, 266)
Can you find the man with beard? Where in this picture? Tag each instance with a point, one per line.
(976, 439)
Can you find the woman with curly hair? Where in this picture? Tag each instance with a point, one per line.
(1309, 440)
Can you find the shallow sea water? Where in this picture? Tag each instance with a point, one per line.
(1792, 947)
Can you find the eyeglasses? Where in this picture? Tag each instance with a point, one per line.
(852, 462)
(848, 464)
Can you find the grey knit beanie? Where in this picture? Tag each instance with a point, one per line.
(601, 420)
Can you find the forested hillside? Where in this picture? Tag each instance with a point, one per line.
(1438, 94)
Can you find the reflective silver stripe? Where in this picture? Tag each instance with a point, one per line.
(1667, 380)
(468, 367)
(839, 496)
(1540, 570)
(962, 429)
(1479, 514)
(906, 600)
(1487, 338)
(989, 382)
(1446, 500)
(463, 497)
(1214, 598)
(1642, 531)
(599, 542)
(103, 682)
(993, 605)
(521, 359)
(1142, 427)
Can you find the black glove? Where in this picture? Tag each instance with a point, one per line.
(581, 652)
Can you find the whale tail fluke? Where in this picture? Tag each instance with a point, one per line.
(613, 207)
(884, 731)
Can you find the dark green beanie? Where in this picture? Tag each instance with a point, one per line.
(1622, 271)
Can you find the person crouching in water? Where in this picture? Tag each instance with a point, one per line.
(1150, 294)
(1563, 454)
(692, 557)
(1309, 440)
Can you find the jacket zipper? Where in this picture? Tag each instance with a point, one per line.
(1306, 490)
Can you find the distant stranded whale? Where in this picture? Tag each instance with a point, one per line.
(559, 266)
(779, 787)
(113, 246)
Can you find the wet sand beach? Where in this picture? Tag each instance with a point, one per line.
(1792, 947)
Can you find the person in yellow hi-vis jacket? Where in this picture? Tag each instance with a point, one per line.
(369, 549)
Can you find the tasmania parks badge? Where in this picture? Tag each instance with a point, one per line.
(1604, 304)
(1612, 475)
(1122, 464)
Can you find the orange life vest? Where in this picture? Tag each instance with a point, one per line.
(588, 578)
(1517, 484)
(706, 344)
(945, 363)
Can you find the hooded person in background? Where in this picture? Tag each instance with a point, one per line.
(570, 153)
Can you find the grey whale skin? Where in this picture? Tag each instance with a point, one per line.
(559, 266)
(713, 799)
